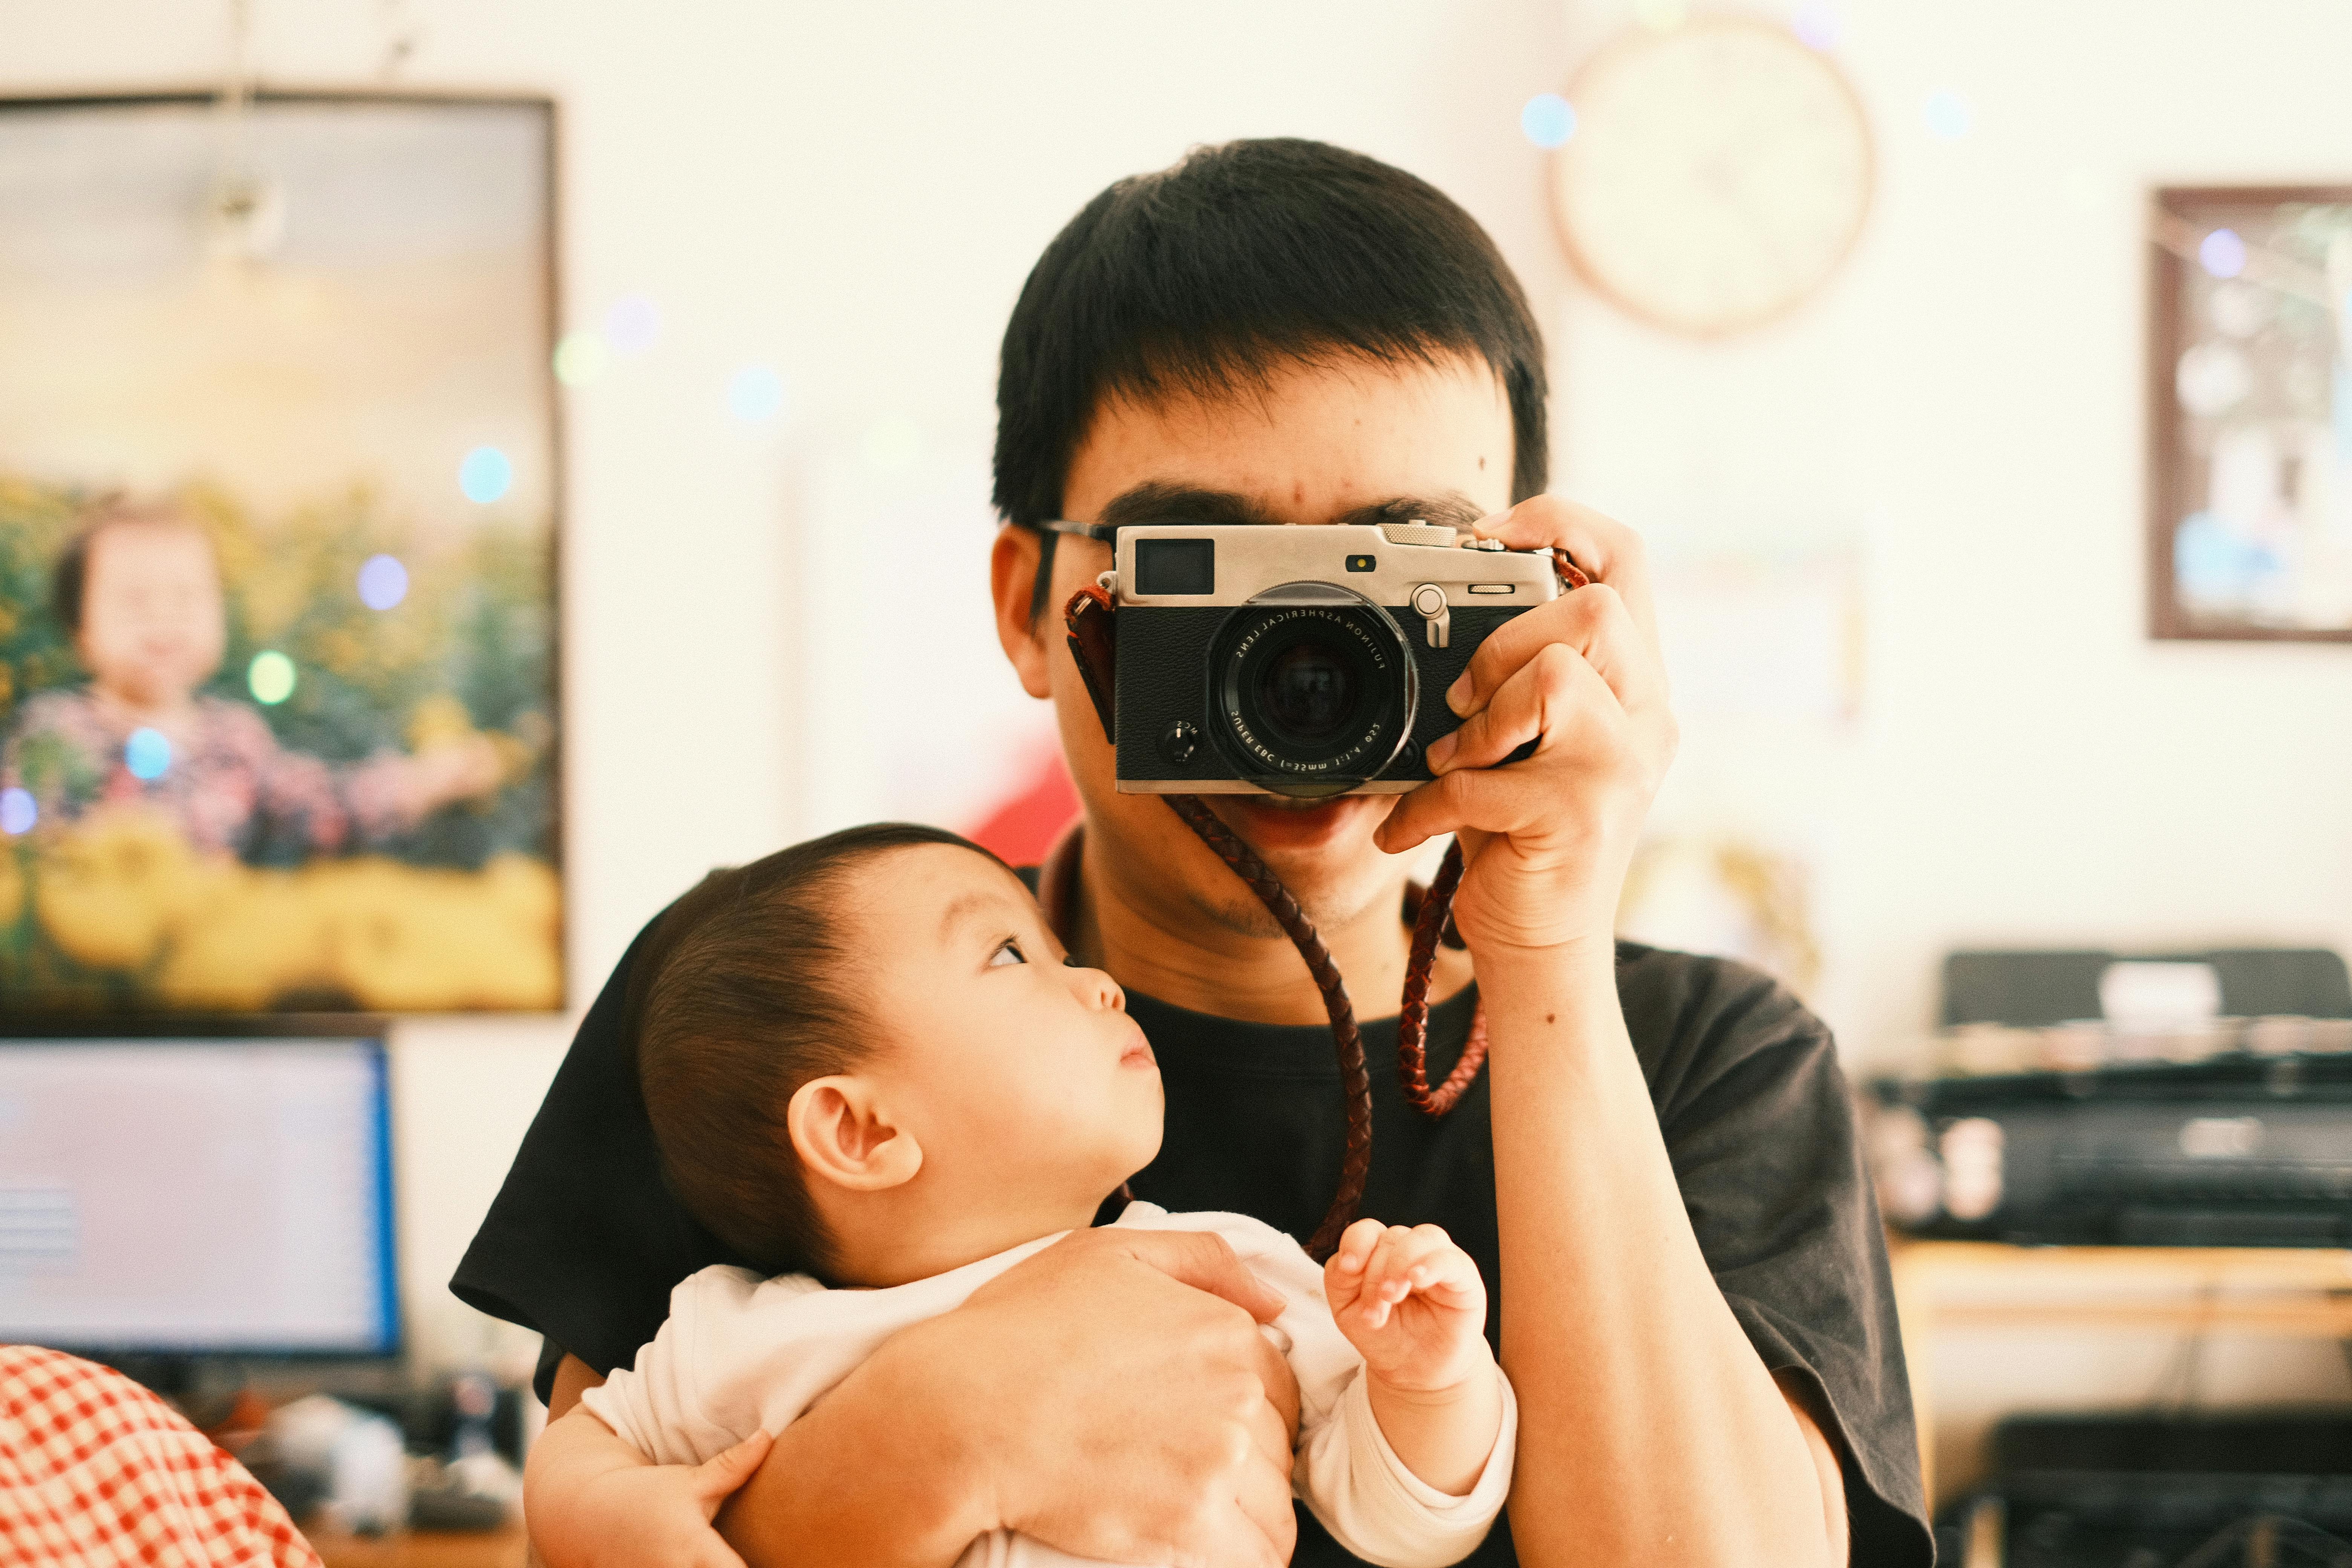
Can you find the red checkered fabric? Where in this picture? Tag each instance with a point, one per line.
(96, 1472)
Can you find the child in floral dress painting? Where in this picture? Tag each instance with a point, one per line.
(139, 591)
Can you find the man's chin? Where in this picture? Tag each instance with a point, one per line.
(1326, 835)
(1322, 851)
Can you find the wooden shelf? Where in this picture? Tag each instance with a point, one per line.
(504, 1548)
(2287, 1292)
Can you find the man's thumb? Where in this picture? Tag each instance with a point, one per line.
(717, 1478)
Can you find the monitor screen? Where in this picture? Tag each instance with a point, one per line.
(196, 1195)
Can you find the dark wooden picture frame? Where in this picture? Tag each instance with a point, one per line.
(521, 813)
(2242, 256)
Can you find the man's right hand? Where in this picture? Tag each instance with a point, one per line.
(1111, 1397)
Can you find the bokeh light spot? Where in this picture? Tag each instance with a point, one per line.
(632, 325)
(1664, 16)
(270, 676)
(148, 753)
(581, 358)
(1548, 120)
(755, 393)
(2223, 253)
(486, 475)
(1948, 116)
(1815, 25)
(384, 582)
(18, 811)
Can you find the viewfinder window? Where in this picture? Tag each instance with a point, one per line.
(1176, 565)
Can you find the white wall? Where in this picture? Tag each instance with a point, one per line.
(853, 193)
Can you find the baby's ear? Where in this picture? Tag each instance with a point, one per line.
(844, 1135)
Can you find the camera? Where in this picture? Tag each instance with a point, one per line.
(1304, 661)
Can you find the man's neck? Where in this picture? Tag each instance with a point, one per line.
(1187, 958)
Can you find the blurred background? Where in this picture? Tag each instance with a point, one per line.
(1902, 523)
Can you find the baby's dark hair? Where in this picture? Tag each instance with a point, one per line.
(69, 578)
(744, 993)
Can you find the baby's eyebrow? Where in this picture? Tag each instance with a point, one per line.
(964, 907)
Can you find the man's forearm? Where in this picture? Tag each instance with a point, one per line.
(857, 1480)
(1650, 1431)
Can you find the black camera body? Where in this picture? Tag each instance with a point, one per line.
(1304, 661)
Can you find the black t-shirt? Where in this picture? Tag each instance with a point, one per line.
(584, 1241)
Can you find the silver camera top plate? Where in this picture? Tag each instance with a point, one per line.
(1385, 563)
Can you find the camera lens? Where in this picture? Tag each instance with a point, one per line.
(1307, 691)
(1314, 687)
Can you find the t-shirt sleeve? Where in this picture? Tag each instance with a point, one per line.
(584, 1239)
(1761, 1129)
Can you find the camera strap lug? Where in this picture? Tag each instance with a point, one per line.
(1429, 603)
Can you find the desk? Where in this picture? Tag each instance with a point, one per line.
(422, 1548)
(2290, 1292)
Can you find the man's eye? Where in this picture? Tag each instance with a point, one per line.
(1010, 953)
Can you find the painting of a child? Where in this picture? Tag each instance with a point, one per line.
(139, 591)
(279, 728)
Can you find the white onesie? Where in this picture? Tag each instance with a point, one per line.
(740, 1354)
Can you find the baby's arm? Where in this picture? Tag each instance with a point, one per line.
(590, 1499)
(1411, 1302)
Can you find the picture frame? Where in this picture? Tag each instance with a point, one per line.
(319, 329)
(2249, 534)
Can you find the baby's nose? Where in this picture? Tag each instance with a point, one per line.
(1105, 991)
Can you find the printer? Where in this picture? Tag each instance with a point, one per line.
(2091, 1097)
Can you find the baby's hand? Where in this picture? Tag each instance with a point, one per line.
(1411, 1302)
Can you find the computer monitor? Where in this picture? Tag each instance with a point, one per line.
(192, 1196)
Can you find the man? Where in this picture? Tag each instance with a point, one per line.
(1656, 1169)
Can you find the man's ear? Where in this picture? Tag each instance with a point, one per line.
(844, 1135)
(1013, 580)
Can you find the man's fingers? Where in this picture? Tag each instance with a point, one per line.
(1595, 622)
(1529, 706)
(1281, 1385)
(716, 1478)
(1607, 550)
(1204, 1262)
(1271, 1526)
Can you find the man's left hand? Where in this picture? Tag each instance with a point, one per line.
(1546, 841)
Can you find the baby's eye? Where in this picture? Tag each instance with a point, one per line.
(1009, 952)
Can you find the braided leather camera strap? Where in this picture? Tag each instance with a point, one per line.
(1088, 618)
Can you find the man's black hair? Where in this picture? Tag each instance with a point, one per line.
(1205, 279)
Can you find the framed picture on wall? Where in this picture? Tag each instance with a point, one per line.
(2250, 412)
(280, 499)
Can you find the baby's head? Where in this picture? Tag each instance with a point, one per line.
(140, 592)
(866, 1055)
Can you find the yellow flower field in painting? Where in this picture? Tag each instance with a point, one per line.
(124, 897)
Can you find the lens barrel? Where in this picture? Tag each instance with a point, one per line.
(1312, 689)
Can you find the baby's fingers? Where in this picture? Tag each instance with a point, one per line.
(1343, 1275)
(716, 1478)
(1387, 1275)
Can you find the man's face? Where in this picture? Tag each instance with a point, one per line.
(1356, 442)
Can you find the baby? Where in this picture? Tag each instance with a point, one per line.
(140, 592)
(866, 1058)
